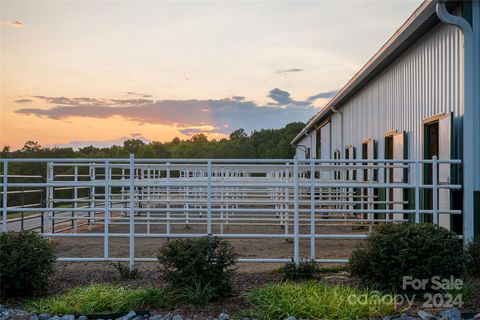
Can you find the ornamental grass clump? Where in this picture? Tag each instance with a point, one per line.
(315, 300)
(101, 298)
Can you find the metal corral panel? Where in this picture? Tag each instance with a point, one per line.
(425, 81)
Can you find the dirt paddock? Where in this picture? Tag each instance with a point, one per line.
(90, 247)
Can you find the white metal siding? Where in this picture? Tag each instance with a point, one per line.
(426, 80)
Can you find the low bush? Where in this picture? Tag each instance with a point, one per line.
(420, 251)
(199, 294)
(305, 269)
(100, 298)
(26, 262)
(185, 263)
(125, 272)
(314, 300)
(473, 264)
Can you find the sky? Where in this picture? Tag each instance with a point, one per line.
(99, 72)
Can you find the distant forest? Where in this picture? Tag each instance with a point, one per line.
(265, 143)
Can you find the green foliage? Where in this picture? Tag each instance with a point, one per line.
(99, 298)
(473, 252)
(393, 251)
(199, 294)
(306, 269)
(265, 143)
(26, 262)
(208, 260)
(125, 272)
(314, 300)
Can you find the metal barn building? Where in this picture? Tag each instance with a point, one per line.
(416, 98)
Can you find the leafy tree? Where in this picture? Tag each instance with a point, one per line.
(31, 146)
(238, 134)
(133, 145)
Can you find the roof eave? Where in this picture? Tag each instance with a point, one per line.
(393, 46)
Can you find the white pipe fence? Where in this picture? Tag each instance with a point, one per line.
(230, 198)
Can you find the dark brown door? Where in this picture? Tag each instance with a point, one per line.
(431, 149)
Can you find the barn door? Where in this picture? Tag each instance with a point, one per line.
(325, 149)
(398, 173)
(368, 197)
(350, 175)
(444, 169)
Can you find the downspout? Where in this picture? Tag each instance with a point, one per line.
(341, 127)
(468, 118)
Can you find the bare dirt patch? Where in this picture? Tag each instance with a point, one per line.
(89, 247)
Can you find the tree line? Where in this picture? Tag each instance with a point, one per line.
(265, 143)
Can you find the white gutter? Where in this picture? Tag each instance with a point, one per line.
(468, 117)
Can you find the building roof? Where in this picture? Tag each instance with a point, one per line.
(418, 24)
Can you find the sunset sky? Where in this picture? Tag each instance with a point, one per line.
(100, 72)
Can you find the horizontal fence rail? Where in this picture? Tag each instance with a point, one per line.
(288, 199)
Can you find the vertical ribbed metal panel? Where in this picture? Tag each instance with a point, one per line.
(425, 81)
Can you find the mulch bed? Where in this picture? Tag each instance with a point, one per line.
(69, 275)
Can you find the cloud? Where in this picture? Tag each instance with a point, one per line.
(16, 24)
(289, 70)
(323, 95)
(280, 96)
(200, 129)
(90, 101)
(131, 93)
(23, 100)
(283, 99)
(189, 116)
(75, 144)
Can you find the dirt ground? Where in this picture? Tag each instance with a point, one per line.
(88, 247)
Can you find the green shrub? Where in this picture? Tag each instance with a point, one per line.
(314, 300)
(306, 269)
(26, 262)
(183, 263)
(125, 272)
(99, 298)
(394, 251)
(199, 294)
(473, 252)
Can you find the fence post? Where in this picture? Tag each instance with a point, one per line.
(435, 189)
(75, 198)
(296, 240)
(50, 195)
(209, 197)
(106, 214)
(286, 207)
(312, 209)
(93, 204)
(417, 191)
(4, 198)
(132, 212)
(22, 203)
(168, 198)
